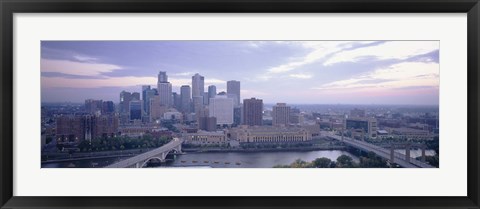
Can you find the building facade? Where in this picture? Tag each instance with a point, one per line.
(185, 97)
(136, 110)
(252, 112)
(75, 128)
(362, 127)
(270, 134)
(207, 123)
(221, 107)
(281, 114)
(198, 86)
(233, 88)
(164, 89)
(204, 138)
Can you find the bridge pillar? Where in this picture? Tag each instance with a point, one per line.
(407, 153)
(392, 154)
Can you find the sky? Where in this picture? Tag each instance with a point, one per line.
(295, 72)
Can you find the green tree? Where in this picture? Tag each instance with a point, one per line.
(345, 161)
(300, 164)
(322, 163)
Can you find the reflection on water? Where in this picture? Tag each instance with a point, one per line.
(252, 160)
(228, 160)
(218, 160)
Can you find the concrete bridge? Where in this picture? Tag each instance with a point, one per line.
(389, 154)
(139, 161)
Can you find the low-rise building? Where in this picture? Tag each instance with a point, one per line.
(411, 133)
(362, 126)
(271, 134)
(206, 137)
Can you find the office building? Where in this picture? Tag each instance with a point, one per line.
(93, 106)
(164, 89)
(185, 95)
(177, 101)
(252, 112)
(233, 88)
(156, 109)
(212, 91)
(207, 123)
(281, 114)
(136, 109)
(125, 98)
(221, 107)
(198, 86)
(108, 107)
(147, 93)
(198, 105)
(362, 127)
(162, 77)
(75, 128)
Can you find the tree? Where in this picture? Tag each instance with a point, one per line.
(300, 164)
(345, 161)
(322, 162)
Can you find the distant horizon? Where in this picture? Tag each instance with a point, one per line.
(292, 72)
(288, 104)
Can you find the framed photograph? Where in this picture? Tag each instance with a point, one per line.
(237, 104)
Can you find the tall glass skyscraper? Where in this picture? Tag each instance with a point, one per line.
(185, 95)
(164, 89)
(233, 88)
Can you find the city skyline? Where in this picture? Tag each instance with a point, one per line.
(314, 72)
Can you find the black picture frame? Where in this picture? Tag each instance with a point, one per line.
(10, 7)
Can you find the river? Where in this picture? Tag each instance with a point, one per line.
(228, 159)
(219, 160)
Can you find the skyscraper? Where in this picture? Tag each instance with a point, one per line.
(136, 95)
(233, 88)
(212, 91)
(164, 89)
(221, 107)
(93, 106)
(198, 85)
(162, 76)
(252, 112)
(108, 107)
(198, 106)
(156, 109)
(177, 102)
(125, 98)
(147, 93)
(136, 109)
(281, 114)
(185, 92)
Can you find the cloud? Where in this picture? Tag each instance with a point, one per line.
(301, 76)
(389, 50)
(76, 68)
(319, 51)
(59, 82)
(399, 75)
(188, 81)
(184, 74)
(82, 58)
